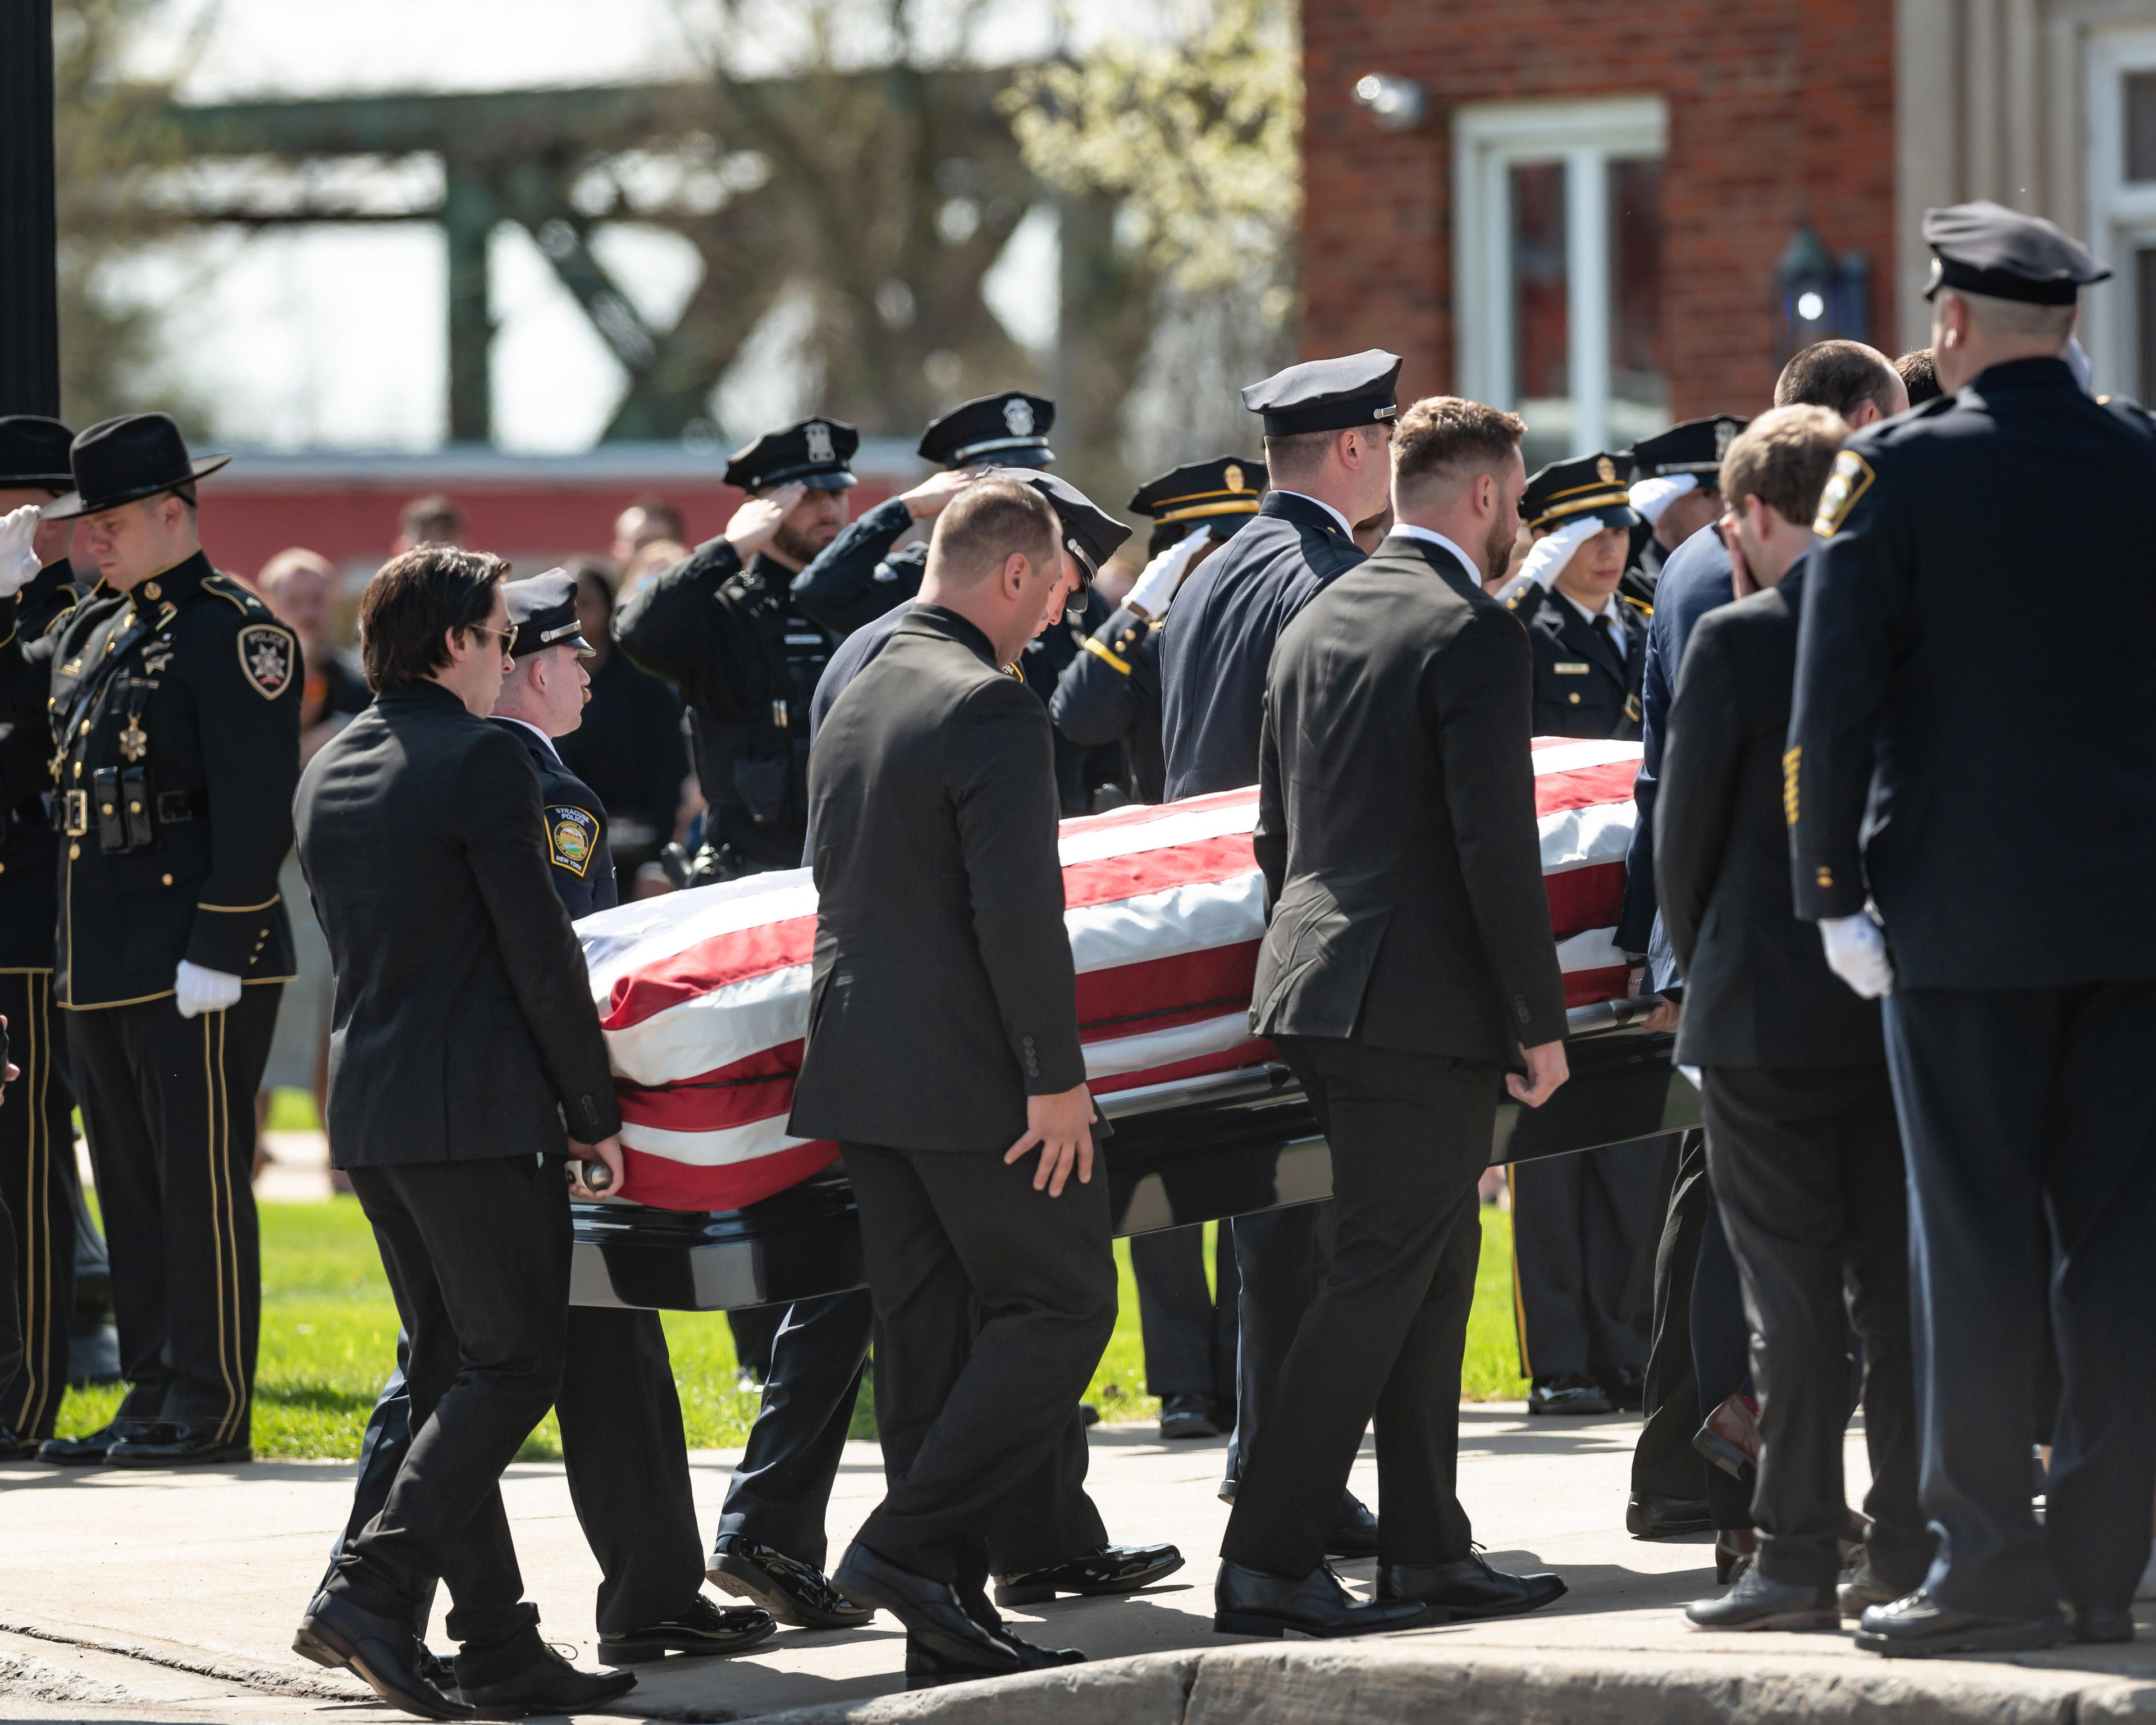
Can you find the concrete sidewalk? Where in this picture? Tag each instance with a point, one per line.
(148, 1597)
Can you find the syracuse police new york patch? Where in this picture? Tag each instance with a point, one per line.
(1851, 480)
(268, 657)
(572, 835)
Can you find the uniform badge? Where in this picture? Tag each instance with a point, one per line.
(819, 435)
(1851, 480)
(1018, 415)
(134, 740)
(572, 835)
(1606, 470)
(267, 657)
(1725, 434)
(1233, 476)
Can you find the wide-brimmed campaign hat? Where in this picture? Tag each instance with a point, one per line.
(33, 452)
(123, 460)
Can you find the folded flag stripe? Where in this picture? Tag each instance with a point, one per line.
(703, 995)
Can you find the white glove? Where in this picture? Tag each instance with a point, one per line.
(1651, 496)
(18, 557)
(201, 990)
(1151, 593)
(1856, 953)
(1546, 562)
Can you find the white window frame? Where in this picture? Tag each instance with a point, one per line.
(2122, 212)
(1489, 139)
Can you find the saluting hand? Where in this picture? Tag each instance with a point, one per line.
(758, 520)
(1547, 1069)
(928, 498)
(1062, 1126)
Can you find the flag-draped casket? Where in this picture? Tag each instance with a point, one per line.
(703, 995)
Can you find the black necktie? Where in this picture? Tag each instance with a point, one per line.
(1609, 635)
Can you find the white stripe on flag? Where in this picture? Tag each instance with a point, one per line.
(1571, 754)
(1192, 918)
(1164, 1048)
(706, 1032)
(1580, 837)
(1595, 950)
(1144, 835)
(718, 1149)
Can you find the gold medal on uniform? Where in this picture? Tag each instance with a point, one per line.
(134, 740)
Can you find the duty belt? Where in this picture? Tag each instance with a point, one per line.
(70, 810)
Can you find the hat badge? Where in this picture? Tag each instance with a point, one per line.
(1018, 416)
(1725, 434)
(1232, 475)
(1606, 470)
(819, 436)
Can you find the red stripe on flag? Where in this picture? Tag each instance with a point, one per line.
(735, 957)
(1581, 899)
(670, 1185)
(1583, 987)
(1584, 787)
(1109, 879)
(760, 1087)
(1109, 1000)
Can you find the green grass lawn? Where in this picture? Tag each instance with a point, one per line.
(329, 1337)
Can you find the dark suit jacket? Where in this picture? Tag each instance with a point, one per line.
(1757, 991)
(1396, 820)
(463, 1015)
(943, 994)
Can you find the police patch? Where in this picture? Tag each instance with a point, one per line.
(268, 657)
(1852, 479)
(573, 836)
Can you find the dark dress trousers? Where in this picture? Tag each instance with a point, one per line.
(463, 1041)
(1407, 957)
(1802, 1148)
(1985, 771)
(942, 998)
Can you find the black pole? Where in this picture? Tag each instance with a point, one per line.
(29, 283)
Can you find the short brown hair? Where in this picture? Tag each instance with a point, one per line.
(412, 603)
(1783, 458)
(289, 561)
(990, 520)
(432, 520)
(1841, 375)
(1445, 438)
(1920, 376)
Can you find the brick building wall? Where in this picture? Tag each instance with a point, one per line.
(1780, 111)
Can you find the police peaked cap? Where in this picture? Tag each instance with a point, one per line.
(1984, 247)
(1328, 394)
(811, 452)
(1007, 429)
(1586, 484)
(544, 609)
(1090, 533)
(1696, 446)
(1229, 486)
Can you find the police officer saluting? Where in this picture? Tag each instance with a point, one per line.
(1590, 639)
(1675, 490)
(722, 627)
(174, 698)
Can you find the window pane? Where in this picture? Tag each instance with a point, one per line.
(2141, 126)
(1540, 328)
(1639, 383)
(2145, 298)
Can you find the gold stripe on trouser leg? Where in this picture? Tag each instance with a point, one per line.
(37, 1253)
(210, 1137)
(1519, 1302)
(46, 1382)
(237, 1333)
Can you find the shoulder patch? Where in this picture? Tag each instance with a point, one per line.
(234, 595)
(572, 837)
(268, 657)
(1851, 480)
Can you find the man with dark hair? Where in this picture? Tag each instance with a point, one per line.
(1406, 962)
(1920, 376)
(934, 833)
(1803, 1151)
(465, 1040)
(432, 520)
(1842, 376)
(172, 697)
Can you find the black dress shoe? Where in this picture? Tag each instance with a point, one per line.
(382, 1651)
(1864, 1589)
(702, 1631)
(927, 1669)
(1188, 1416)
(931, 1611)
(1248, 1602)
(2101, 1624)
(1918, 1627)
(14, 1446)
(1756, 1603)
(179, 1444)
(1112, 1570)
(550, 1684)
(1468, 1588)
(1648, 1515)
(1355, 1533)
(791, 1591)
(1567, 1393)
(91, 1450)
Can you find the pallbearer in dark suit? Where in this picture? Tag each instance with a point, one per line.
(1802, 1147)
(1972, 800)
(943, 1054)
(37, 1136)
(1407, 963)
(462, 1043)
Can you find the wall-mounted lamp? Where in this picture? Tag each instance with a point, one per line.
(1821, 296)
(1395, 103)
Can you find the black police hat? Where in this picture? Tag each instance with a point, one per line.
(1586, 484)
(544, 608)
(1328, 394)
(1987, 248)
(1697, 446)
(813, 453)
(1009, 429)
(1224, 491)
(1090, 533)
(125, 460)
(33, 452)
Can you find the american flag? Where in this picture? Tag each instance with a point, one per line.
(703, 995)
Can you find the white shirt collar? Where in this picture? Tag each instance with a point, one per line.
(537, 732)
(1610, 609)
(1474, 569)
(1347, 526)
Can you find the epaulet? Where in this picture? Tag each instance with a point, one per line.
(58, 618)
(2125, 408)
(233, 594)
(1639, 605)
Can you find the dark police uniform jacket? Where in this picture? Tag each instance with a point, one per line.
(1218, 637)
(1984, 768)
(857, 577)
(943, 993)
(1110, 693)
(1583, 686)
(175, 708)
(1396, 820)
(29, 867)
(462, 1027)
(576, 829)
(746, 659)
(1757, 991)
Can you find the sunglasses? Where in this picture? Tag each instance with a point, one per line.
(507, 637)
